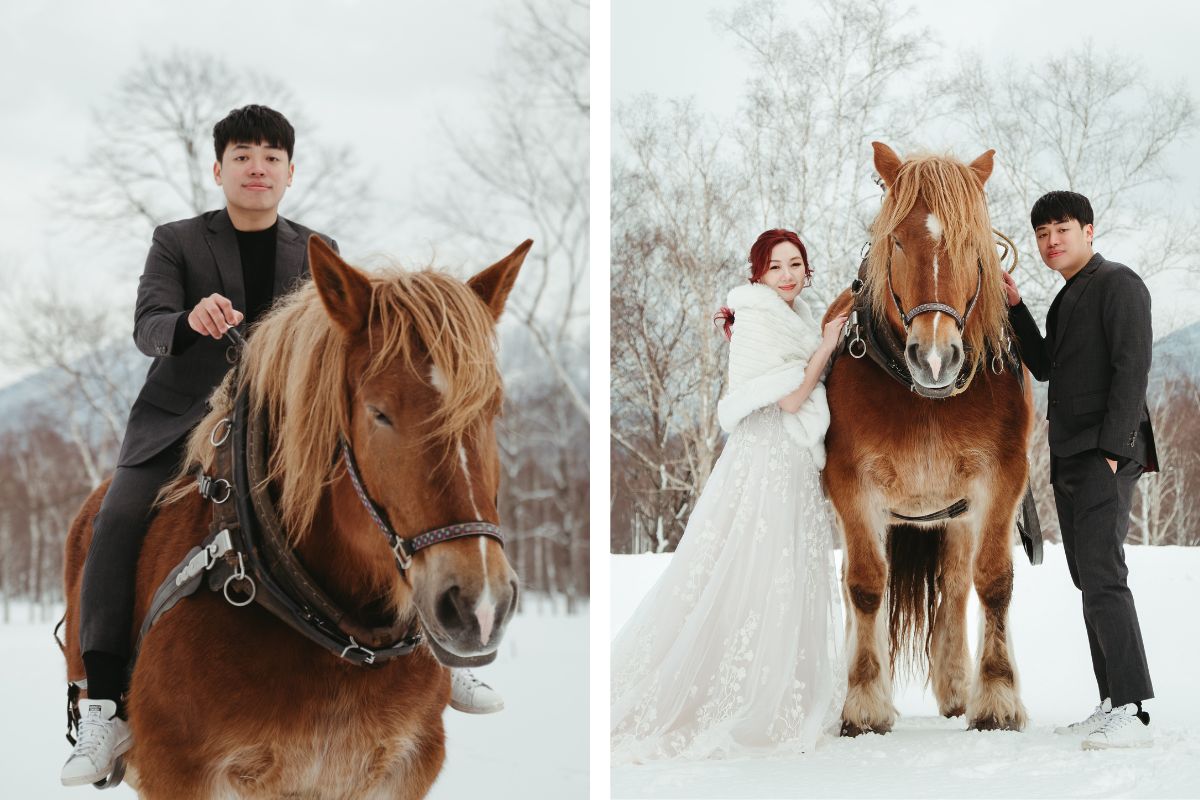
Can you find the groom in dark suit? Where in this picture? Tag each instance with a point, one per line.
(1096, 356)
(203, 276)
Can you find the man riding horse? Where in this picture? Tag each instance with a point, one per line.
(203, 276)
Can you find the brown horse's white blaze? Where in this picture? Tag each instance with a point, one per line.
(478, 614)
(906, 583)
(933, 348)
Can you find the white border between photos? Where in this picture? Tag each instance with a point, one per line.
(600, 233)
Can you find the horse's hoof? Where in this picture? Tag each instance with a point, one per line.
(994, 724)
(852, 729)
(956, 711)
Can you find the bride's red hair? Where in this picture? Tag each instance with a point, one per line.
(760, 261)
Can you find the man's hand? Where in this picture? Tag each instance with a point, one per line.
(1010, 288)
(214, 315)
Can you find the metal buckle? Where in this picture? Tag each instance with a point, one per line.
(239, 575)
(403, 556)
(997, 359)
(204, 560)
(212, 437)
(370, 659)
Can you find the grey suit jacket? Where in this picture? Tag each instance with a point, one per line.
(1097, 360)
(189, 260)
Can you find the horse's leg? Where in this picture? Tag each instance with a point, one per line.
(869, 691)
(949, 658)
(995, 701)
(422, 767)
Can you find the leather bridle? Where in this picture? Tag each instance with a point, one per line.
(907, 317)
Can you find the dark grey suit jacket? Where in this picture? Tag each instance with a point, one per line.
(1097, 360)
(189, 260)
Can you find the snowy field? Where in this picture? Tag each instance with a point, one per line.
(928, 756)
(537, 748)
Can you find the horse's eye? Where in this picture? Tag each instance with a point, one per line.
(897, 243)
(379, 416)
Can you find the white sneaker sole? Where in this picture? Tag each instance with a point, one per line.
(492, 709)
(1088, 744)
(83, 780)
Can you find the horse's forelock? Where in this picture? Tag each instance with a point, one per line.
(951, 191)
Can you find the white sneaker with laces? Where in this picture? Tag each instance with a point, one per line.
(102, 737)
(1087, 726)
(1122, 728)
(471, 695)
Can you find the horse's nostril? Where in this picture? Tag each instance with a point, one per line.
(956, 353)
(449, 609)
(913, 352)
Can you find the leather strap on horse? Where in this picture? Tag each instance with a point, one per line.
(284, 587)
(865, 337)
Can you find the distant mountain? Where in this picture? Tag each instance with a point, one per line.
(1176, 354)
(45, 393)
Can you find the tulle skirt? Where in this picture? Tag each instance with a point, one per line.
(737, 649)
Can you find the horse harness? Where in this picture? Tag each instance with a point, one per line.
(865, 336)
(248, 559)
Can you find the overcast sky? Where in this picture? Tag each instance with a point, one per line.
(374, 74)
(671, 48)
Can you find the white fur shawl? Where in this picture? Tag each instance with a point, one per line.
(768, 353)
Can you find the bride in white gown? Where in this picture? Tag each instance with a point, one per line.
(736, 650)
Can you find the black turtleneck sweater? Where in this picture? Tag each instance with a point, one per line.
(257, 252)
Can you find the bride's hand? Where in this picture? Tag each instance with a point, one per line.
(833, 330)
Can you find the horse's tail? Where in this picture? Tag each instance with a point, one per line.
(913, 555)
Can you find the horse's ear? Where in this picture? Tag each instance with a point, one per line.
(345, 292)
(983, 166)
(494, 283)
(887, 163)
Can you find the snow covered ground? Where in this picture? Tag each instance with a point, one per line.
(536, 748)
(928, 756)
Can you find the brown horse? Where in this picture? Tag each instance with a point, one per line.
(230, 702)
(897, 450)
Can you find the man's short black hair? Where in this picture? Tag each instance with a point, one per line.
(1060, 207)
(254, 125)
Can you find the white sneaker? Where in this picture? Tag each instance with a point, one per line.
(1122, 728)
(471, 695)
(1087, 726)
(102, 737)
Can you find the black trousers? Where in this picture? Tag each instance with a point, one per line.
(1093, 513)
(109, 572)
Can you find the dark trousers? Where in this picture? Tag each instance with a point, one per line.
(1093, 513)
(106, 597)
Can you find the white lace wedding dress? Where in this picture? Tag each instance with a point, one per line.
(737, 649)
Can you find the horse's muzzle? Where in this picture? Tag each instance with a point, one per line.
(935, 366)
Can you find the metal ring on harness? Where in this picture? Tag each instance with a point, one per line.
(212, 437)
(862, 345)
(997, 364)
(239, 575)
(228, 491)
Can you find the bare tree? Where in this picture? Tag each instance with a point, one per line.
(677, 250)
(821, 88)
(151, 161)
(85, 371)
(1090, 122)
(529, 164)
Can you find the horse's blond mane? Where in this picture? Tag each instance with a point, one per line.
(951, 191)
(294, 366)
